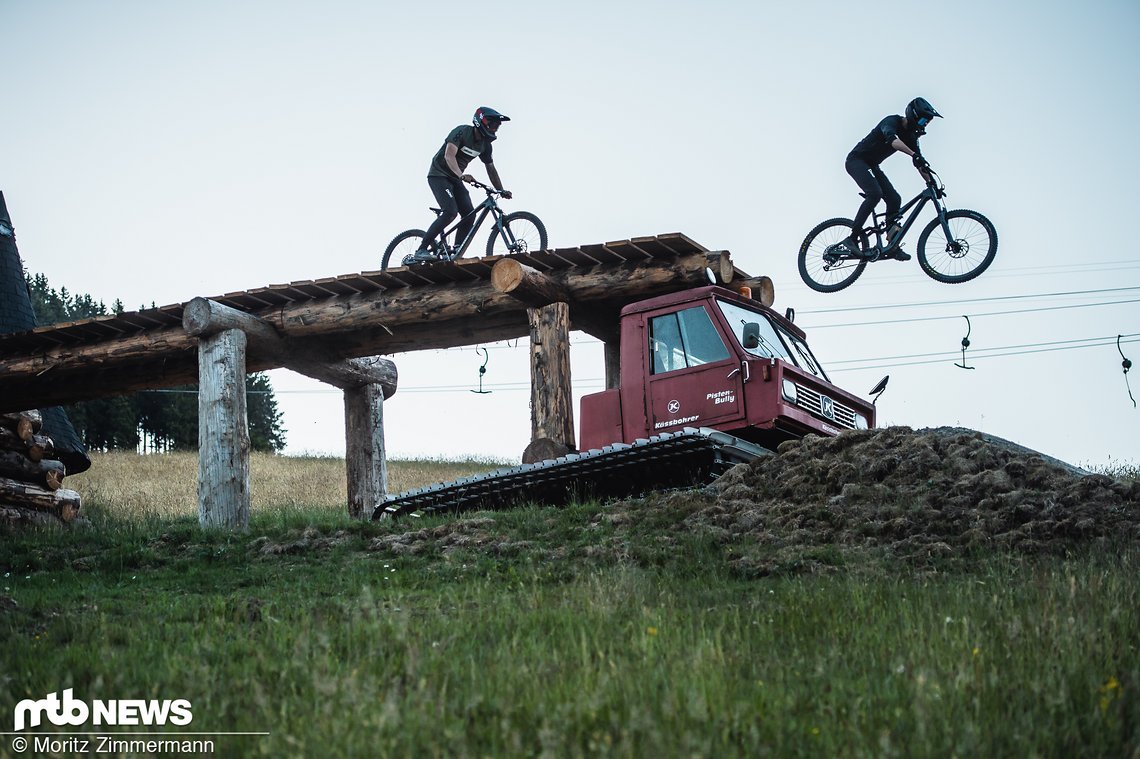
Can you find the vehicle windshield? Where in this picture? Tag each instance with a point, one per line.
(773, 342)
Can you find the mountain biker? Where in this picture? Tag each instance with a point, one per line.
(446, 175)
(894, 133)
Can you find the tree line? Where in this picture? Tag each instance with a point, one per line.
(151, 420)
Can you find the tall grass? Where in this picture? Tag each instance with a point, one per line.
(166, 485)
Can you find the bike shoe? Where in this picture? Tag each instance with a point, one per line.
(421, 256)
(899, 255)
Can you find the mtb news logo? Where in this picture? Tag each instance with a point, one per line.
(72, 711)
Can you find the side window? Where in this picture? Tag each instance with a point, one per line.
(683, 339)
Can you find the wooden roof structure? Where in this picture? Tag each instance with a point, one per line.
(371, 313)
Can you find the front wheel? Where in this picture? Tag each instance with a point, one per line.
(968, 252)
(403, 244)
(821, 268)
(521, 232)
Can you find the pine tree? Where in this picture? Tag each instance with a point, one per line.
(265, 430)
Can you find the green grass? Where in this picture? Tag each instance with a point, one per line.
(512, 634)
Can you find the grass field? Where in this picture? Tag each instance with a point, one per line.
(550, 632)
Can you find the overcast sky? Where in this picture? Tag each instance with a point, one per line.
(157, 151)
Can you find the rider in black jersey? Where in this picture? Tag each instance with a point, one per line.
(446, 175)
(892, 133)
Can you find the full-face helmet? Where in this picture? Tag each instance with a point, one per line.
(920, 113)
(487, 121)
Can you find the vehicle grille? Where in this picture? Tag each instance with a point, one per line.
(820, 405)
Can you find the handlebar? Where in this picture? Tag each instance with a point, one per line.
(488, 188)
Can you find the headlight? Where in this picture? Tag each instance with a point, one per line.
(789, 390)
(860, 422)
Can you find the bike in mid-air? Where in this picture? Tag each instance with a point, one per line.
(518, 232)
(955, 247)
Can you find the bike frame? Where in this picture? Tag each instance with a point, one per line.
(488, 206)
(932, 194)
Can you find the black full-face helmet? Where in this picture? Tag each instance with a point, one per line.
(487, 121)
(920, 113)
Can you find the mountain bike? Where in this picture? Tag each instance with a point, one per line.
(518, 232)
(954, 247)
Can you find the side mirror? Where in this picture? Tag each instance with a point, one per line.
(878, 389)
(751, 338)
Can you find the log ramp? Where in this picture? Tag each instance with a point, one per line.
(337, 330)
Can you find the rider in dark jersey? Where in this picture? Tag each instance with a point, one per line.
(893, 133)
(446, 175)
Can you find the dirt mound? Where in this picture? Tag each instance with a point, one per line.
(922, 496)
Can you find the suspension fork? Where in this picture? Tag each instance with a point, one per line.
(941, 211)
(504, 230)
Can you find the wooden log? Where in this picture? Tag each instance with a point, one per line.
(611, 352)
(366, 464)
(721, 266)
(511, 277)
(551, 399)
(23, 423)
(544, 449)
(202, 317)
(15, 518)
(53, 478)
(223, 432)
(36, 447)
(762, 289)
(401, 309)
(64, 503)
(46, 472)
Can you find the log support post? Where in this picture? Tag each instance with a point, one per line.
(612, 355)
(223, 432)
(365, 459)
(551, 400)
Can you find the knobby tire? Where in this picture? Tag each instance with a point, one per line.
(402, 245)
(976, 246)
(811, 262)
(525, 227)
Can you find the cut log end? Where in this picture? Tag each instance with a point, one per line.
(721, 266)
(763, 290)
(53, 478)
(506, 275)
(544, 448)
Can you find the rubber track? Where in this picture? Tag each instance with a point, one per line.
(673, 459)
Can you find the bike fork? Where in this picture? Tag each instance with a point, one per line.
(945, 224)
(505, 233)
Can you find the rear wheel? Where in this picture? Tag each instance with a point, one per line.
(403, 244)
(969, 251)
(820, 268)
(522, 233)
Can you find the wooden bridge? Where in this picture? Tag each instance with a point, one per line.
(321, 328)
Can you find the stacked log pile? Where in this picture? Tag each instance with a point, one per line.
(31, 479)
